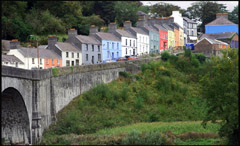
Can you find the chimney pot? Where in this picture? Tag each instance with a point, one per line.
(93, 30)
(127, 24)
(112, 27)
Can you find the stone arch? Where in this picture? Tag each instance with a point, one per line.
(14, 118)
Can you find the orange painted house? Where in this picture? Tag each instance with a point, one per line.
(52, 62)
(176, 36)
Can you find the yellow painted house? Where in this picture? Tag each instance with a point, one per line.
(181, 37)
(171, 39)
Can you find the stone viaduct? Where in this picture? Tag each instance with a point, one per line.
(32, 98)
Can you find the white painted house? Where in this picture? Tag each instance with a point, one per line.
(142, 38)
(177, 18)
(129, 41)
(11, 60)
(70, 54)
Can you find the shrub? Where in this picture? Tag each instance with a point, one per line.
(153, 117)
(133, 138)
(64, 39)
(144, 67)
(165, 56)
(143, 93)
(152, 54)
(123, 74)
(201, 57)
(124, 94)
(173, 59)
(139, 103)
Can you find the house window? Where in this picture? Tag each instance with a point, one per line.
(77, 62)
(47, 61)
(57, 61)
(86, 57)
(32, 60)
(126, 51)
(72, 55)
(130, 43)
(108, 54)
(133, 43)
(86, 47)
(40, 61)
(117, 45)
(99, 57)
(107, 45)
(66, 54)
(77, 55)
(52, 61)
(192, 32)
(98, 48)
(92, 47)
(126, 42)
(67, 63)
(113, 45)
(6, 62)
(117, 54)
(16, 64)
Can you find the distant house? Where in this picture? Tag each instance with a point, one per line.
(11, 60)
(154, 36)
(29, 57)
(142, 38)
(163, 37)
(190, 29)
(210, 47)
(171, 36)
(179, 36)
(129, 41)
(221, 24)
(70, 54)
(111, 45)
(230, 38)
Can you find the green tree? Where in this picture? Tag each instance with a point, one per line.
(126, 10)
(163, 9)
(233, 16)
(220, 90)
(105, 9)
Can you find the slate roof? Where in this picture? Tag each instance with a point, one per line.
(160, 27)
(139, 30)
(66, 47)
(176, 25)
(11, 59)
(212, 41)
(151, 28)
(88, 39)
(5, 45)
(221, 21)
(224, 35)
(189, 20)
(167, 27)
(43, 53)
(141, 13)
(125, 33)
(107, 36)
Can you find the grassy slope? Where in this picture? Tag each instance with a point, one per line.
(159, 93)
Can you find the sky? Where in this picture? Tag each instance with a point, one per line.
(185, 4)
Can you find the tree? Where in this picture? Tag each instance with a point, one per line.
(233, 16)
(220, 90)
(164, 9)
(126, 11)
(105, 9)
(206, 11)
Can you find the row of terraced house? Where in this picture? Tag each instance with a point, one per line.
(150, 36)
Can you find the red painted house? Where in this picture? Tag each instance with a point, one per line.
(163, 33)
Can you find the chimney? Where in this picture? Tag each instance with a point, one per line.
(127, 24)
(141, 23)
(151, 21)
(93, 30)
(14, 44)
(71, 34)
(225, 15)
(52, 40)
(112, 27)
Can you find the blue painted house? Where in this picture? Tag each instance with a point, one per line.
(221, 24)
(111, 45)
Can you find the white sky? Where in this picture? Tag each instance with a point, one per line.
(185, 4)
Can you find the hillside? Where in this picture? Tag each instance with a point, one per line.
(165, 91)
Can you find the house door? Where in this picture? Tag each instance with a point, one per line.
(133, 51)
(92, 59)
(72, 63)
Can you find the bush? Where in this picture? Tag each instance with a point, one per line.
(173, 59)
(201, 57)
(124, 94)
(165, 56)
(195, 62)
(144, 67)
(139, 103)
(150, 138)
(153, 117)
(123, 74)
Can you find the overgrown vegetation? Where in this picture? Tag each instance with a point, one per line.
(168, 90)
